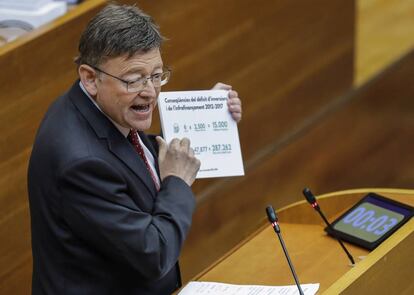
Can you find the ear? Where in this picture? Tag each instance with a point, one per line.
(88, 78)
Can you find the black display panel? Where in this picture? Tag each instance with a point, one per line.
(372, 220)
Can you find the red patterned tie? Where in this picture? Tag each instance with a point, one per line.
(133, 138)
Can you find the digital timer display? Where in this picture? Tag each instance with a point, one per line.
(371, 221)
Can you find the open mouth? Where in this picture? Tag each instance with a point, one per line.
(141, 108)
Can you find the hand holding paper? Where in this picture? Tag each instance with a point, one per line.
(177, 158)
(233, 102)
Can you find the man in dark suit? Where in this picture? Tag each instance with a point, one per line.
(110, 206)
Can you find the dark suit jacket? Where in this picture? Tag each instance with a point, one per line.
(98, 224)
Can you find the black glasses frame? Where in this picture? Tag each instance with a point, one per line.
(127, 83)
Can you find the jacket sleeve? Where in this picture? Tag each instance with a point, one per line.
(98, 209)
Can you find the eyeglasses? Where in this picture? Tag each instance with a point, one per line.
(157, 80)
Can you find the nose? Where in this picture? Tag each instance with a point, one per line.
(148, 90)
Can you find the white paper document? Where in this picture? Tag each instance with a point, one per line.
(209, 288)
(204, 118)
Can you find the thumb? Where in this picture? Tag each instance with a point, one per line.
(162, 146)
(221, 86)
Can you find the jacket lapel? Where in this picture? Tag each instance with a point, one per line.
(124, 150)
(117, 143)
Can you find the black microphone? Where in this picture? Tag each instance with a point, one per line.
(271, 215)
(312, 200)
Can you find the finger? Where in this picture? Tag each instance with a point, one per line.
(233, 94)
(162, 146)
(198, 163)
(185, 144)
(236, 117)
(236, 112)
(221, 86)
(191, 152)
(236, 108)
(234, 101)
(174, 144)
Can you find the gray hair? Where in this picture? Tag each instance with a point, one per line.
(117, 30)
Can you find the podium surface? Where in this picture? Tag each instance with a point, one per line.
(317, 257)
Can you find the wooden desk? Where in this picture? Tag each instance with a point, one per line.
(317, 257)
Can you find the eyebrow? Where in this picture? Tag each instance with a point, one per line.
(139, 69)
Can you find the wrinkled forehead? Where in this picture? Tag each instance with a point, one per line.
(141, 61)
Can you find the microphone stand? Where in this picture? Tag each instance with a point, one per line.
(312, 200)
(271, 214)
